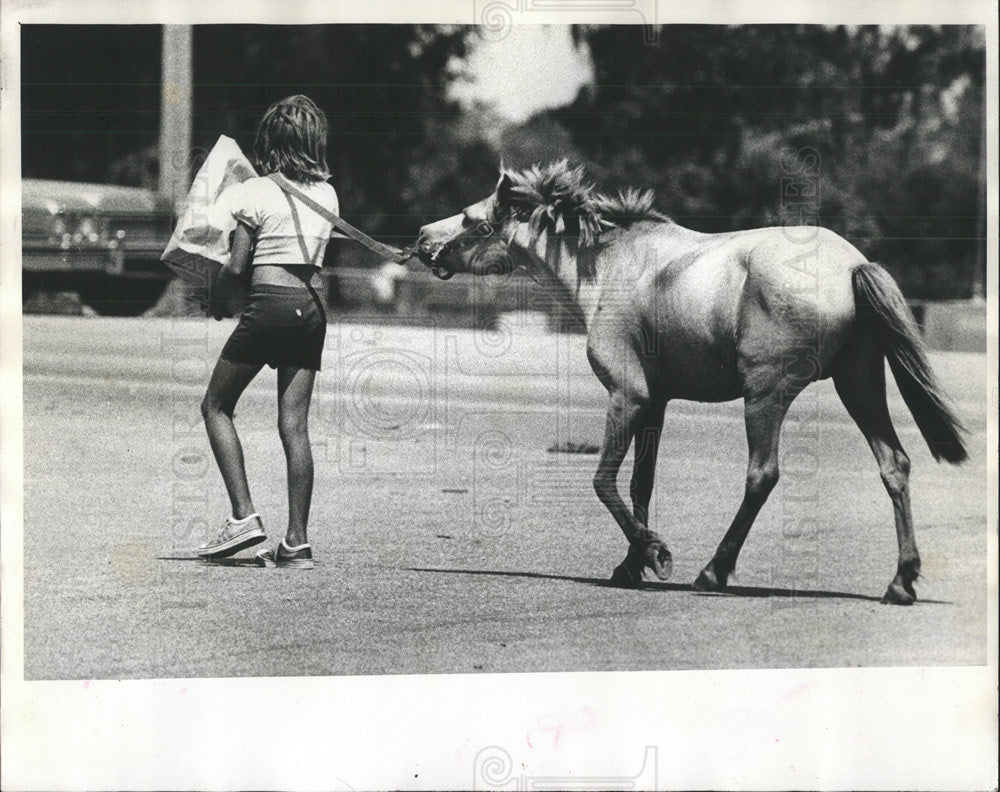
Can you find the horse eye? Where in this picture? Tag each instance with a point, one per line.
(484, 228)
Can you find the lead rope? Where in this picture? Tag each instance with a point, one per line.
(391, 253)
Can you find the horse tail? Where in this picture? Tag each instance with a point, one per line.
(899, 339)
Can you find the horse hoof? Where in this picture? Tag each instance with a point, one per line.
(898, 594)
(658, 559)
(626, 577)
(707, 581)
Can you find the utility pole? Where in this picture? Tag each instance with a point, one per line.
(175, 114)
(979, 274)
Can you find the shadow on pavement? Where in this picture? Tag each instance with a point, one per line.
(216, 562)
(656, 585)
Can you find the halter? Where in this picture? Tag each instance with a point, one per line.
(482, 229)
(485, 228)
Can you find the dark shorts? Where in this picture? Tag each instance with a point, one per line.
(281, 326)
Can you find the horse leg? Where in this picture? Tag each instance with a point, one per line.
(763, 417)
(627, 414)
(647, 444)
(861, 387)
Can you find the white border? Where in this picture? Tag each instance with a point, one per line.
(916, 728)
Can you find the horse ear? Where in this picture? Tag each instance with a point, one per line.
(504, 190)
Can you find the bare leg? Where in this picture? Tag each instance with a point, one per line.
(295, 388)
(861, 387)
(227, 384)
(763, 418)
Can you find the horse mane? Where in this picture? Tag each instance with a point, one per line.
(628, 207)
(557, 197)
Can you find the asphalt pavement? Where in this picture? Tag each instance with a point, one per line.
(449, 538)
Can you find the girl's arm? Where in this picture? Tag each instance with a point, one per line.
(233, 275)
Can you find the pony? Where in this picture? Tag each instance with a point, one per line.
(673, 313)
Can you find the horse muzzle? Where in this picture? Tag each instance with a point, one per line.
(429, 253)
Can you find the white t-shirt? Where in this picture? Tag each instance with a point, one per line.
(263, 206)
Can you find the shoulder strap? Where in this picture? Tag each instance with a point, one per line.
(303, 248)
(338, 222)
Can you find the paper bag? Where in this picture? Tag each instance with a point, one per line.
(200, 244)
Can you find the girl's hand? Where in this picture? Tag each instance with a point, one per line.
(227, 295)
(229, 288)
(217, 304)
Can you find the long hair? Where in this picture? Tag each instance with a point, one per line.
(291, 139)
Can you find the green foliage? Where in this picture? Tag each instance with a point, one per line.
(90, 96)
(709, 117)
(383, 88)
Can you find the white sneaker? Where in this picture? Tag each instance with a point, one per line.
(234, 536)
(300, 557)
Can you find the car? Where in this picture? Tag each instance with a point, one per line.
(102, 241)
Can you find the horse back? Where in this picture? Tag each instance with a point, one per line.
(673, 296)
(797, 306)
(712, 310)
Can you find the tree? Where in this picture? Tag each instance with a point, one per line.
(383, 88)
(705, 118)
(90, 96)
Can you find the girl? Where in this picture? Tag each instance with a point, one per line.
(281, 243)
